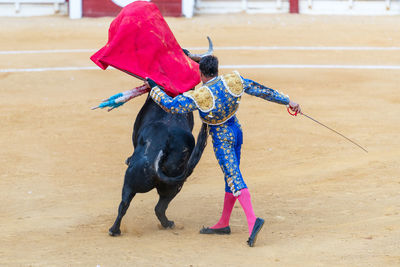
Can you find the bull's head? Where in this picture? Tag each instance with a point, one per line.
(197, 57)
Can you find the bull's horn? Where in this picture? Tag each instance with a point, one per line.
(197, 57)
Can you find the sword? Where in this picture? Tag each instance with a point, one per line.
(295, 114)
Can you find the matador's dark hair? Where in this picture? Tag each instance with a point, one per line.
(209, 66)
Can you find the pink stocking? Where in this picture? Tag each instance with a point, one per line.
(245, 202)
(229, 202)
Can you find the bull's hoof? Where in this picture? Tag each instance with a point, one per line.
(112, 232)
(168, 225)
(171, 225)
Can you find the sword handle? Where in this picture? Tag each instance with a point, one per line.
(293, 114)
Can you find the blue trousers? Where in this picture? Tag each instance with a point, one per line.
(227, 142)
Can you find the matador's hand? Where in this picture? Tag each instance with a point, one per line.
(294, 107)
(151, 83)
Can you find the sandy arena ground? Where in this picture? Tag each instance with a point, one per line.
(325, 201)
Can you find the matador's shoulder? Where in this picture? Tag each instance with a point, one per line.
(203, 98)
(234, 83)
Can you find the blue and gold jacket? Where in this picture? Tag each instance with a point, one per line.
(218, 99)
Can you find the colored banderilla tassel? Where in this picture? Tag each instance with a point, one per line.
(119, 99)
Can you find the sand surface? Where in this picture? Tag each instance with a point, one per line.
(325, 201)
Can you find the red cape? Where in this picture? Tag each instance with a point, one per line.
(140, 43)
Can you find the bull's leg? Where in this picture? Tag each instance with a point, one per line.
(127, 196)
(165, 198)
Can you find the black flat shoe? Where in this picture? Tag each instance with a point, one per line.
(218, 231)
(256, 229)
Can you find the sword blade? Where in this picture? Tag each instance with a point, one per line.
(334, 131)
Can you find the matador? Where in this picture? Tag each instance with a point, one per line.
(217, 101)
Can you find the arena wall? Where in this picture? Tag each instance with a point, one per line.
(317, 7)
(99, 8)
(22, 8)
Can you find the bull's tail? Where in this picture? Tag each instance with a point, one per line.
(165, 178)
(193, 160)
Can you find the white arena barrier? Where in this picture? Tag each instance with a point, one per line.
(32, 7)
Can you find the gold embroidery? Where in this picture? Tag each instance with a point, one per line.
(202, 97)
(234, 83)
(219, 121)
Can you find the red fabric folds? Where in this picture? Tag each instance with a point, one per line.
(141, 44)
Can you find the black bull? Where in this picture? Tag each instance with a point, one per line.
(164, 155)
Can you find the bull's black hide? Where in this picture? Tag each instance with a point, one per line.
(164, 155)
